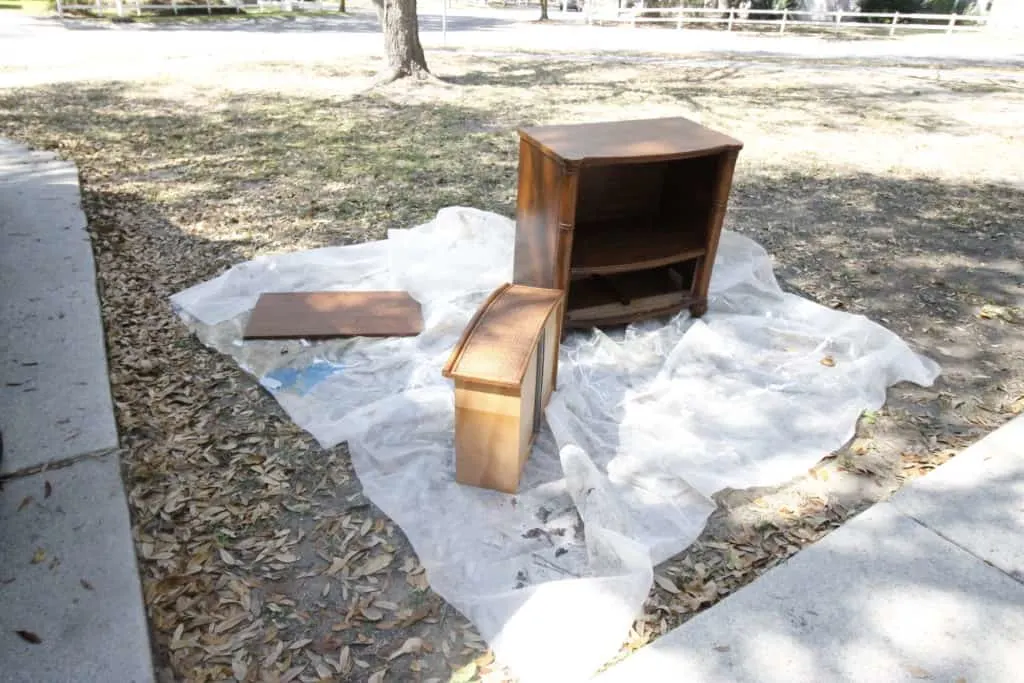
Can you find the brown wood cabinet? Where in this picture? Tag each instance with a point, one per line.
(504, 368)
(623, 216)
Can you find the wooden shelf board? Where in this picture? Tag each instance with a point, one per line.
(625, 318)
(621, 245)
(594, 302)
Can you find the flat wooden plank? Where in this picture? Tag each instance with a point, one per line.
(634, 140)
(622, 245)
(321, 315)
(497, 344)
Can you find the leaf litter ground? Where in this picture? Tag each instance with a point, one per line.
(884, 192)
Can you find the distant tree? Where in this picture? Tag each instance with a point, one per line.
(401, 29)
(543, 10)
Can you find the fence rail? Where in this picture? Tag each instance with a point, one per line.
(786, 18)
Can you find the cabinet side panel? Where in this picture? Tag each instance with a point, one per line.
(551, 335)
(529, 398)
(719, 202)
(537, 233)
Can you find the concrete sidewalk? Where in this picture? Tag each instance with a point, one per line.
(926, 586)
(71, 600)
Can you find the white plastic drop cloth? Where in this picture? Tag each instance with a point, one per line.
(645, 425)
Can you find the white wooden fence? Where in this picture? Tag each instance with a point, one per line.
(784, 19)
(681, 17)
(123, 8)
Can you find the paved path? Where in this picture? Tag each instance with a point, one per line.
(68, 577)
(926, 586)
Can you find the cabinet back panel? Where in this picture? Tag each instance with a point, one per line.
(628, 190)
(689, 190)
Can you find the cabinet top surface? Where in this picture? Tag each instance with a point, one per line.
(496, 345)
(662, 138)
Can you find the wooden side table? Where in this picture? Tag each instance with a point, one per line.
(623, 216)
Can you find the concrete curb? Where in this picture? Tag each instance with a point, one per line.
(69, 582)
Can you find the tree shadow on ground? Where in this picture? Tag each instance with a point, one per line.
(709, 89)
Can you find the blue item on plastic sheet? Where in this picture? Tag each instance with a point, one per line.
(299, 381)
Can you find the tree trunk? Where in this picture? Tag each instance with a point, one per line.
(543, 10)
(341, 5)
(401, 38)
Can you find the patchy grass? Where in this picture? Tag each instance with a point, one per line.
(891, 192)
(37, 7)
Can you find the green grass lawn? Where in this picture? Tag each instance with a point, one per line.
(27, 6)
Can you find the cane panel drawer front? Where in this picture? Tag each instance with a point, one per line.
(625, 216)
(504, 369)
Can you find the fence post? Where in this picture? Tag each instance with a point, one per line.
(732, 12)
(209, 10)
(60, 9)
(952, 23)
(892, 28)
(782, 26)
(839, 18)
(632, 21)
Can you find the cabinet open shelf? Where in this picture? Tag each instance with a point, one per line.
(623, 297)
(621, 245)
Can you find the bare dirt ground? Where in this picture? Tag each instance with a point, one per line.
(889, 192)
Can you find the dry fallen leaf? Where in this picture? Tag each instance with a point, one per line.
(828, 361)
(377, 676)
(228, 558)
(302, 642)
(410, 646)
(24, 503)
(30, 637)
(666, 584)
(292, 673)
(464, 675)
(273, 655)
(322, 670)
(38, 556)
(917, 672)
(994, 312)
(372, 565)
(372, 614)
(239, 666)
(337, 564)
